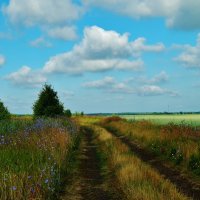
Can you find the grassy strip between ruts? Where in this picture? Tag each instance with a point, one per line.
(132, 178)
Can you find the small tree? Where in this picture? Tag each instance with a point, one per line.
(82, 113)
(48, 104)
(4, 113)
(68, 113)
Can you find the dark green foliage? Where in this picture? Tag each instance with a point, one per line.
(175, 155)
(4, 113)
(82, 113)
(48, 104)
(167, 151)
(194, 164)
(68, 113)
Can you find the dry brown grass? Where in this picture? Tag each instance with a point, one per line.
(184, 139)
(135, 179)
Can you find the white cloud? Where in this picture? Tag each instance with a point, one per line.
(178, 13)
(162, 77)
(139, 46)
(2, 60)
(185, 16)
(122, 88)
(110, 85)
(52, 17)
(40, 42)
(26, 77)
(63, 33)
(101, 50)
(190, 57)
(37, 12)
(136, 8)
(106, 82)
(153, 90)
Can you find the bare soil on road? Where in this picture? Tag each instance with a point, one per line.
(88, 182)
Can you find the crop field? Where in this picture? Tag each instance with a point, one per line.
(191, 119)
(98, 158)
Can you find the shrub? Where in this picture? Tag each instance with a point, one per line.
(194, 164)
(112, 119)
(4, 113)
(48, 104)
(68, 113)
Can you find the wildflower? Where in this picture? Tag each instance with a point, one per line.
(46, 181)
(14, 188)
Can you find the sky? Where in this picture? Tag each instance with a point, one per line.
(101, 56)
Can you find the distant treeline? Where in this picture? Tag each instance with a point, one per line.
(143, 113)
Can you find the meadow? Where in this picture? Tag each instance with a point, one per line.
(174, 143)
(86, 158)
(34, 155)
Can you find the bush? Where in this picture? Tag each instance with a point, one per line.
(68, 113)
(48, 104)
(4, 113)
(112, 119)
(194, 164)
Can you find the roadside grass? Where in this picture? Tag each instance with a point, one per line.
(178, 144)
(9, 127)
(131, 178)
(33, 158)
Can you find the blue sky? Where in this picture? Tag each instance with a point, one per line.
(116, 56)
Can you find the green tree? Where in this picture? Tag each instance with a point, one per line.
(48, 104)
(68, 113)
(4, 113)
(82, 113)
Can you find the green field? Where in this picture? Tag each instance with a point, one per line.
(190, 119)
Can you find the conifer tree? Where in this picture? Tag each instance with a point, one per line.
(48, 104)
(4, 113)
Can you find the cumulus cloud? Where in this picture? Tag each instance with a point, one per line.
(40, 42)
(136, 8)
(162, 77)
(63, 33)
(53, 17)
(185, 16)
(2, 60)
(110, 85)
(139, 46)
(190, 57)
(178, 14)
(101, 50)
(26, 77)
(37, 12)
(106, 82)
(154, 90)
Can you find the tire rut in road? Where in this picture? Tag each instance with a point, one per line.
(92, 181)
(186, 186)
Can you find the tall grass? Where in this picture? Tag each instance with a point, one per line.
(176, 143)
(14, 125)
(133, 178)
(33, 159)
